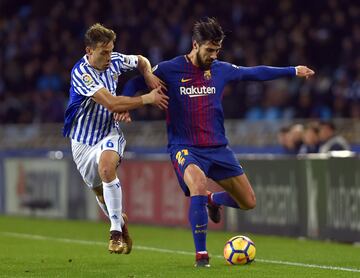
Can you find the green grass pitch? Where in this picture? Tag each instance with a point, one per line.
(32, 247)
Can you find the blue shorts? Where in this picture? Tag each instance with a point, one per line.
(217, 163)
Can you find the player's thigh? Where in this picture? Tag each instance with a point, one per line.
(110, 153)
(195, 179)
(108, 163)
(190, 170)
(240, 189)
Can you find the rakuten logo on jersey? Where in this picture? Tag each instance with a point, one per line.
(197, 91)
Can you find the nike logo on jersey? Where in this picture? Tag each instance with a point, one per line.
(200, 226)
(183, 80)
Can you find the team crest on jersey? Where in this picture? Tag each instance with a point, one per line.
(87, 79)
(115, 77)
(207, 75)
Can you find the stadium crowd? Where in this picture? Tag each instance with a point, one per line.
(40, 41)
(313, 137)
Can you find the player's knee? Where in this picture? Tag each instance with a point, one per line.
(198, 187)
(250, 202)
(107, 173)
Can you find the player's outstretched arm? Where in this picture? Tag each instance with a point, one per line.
(263, 73)
(118, 104)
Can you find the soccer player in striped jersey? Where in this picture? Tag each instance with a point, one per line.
(195, 126)
(96, 140)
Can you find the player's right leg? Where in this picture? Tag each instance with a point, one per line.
(196, 181)
(189, 167)
(100, 199)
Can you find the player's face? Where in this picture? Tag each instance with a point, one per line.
(100, 56)
(206, 53)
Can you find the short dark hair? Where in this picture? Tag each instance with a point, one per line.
(98, 33)
(207, 30)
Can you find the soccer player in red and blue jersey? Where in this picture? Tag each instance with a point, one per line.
(195, 127)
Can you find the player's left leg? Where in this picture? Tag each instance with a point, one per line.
(110, 151)
(239, 193)
(228, 173)
(112, 193)
(97, 166)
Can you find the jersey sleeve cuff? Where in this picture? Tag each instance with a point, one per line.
(295, 71)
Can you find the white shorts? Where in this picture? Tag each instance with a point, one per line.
(87, 157)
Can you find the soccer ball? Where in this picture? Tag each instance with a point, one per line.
(239, 250)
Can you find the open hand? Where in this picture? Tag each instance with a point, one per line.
(122, 117)
(159, 99)
(153, 82)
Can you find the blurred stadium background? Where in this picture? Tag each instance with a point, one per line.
(307, 196)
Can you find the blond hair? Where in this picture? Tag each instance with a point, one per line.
(98, 33)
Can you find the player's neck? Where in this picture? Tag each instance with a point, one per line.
(192, 57)
(91, 62)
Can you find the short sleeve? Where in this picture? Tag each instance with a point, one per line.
(124, 63)
(85, 81)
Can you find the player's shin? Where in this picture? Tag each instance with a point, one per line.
(102, 206)
(223, 199)
(198, 218)
(113, 201)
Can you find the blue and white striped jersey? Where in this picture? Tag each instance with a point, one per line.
(86, 121)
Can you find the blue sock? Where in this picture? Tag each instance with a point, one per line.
(223, 198)
(198, 218)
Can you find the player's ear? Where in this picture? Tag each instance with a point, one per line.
(87, 49)
(195, 45)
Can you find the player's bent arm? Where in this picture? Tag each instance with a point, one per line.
(152, 81)
(116, 103)
(120, 104)
(144, 65)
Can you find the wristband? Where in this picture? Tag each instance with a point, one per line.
(146, 99)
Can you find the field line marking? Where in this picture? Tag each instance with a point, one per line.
(161, 250)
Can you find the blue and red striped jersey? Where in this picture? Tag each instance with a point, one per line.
(195, 115)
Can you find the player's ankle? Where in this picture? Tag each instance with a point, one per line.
(210, 199)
